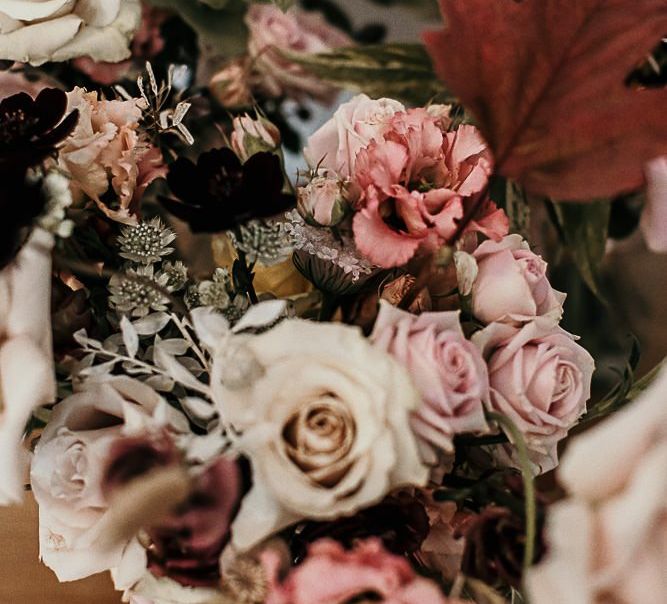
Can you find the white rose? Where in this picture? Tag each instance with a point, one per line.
(353, 126)
(26, 363)
(326, 426)
(607, 541)
(36, 31)
(68, 464)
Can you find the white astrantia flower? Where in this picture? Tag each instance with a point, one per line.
(68, 465)
(324, 417)
(59, 30)
(27, 378)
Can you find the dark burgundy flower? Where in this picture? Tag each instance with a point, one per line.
(30, 129)
(218, 192)
(186, 546)
(399, 520)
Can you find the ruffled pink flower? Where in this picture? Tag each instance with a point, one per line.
(414, 186)
(105, 151)
(332, 575)
(448, 370)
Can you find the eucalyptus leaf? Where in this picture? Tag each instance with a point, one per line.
(584, 228)
(400, 71)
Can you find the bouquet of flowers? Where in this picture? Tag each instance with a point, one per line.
(238, 375)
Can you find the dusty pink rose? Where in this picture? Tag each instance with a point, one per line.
(654, 217)
(105, 151)
(540, 379)
(414, 186)
(511, 285)
(334, 147)
(608, 539)
(232, 85)
(322, 202)
(332, 575)
(448, 370)
(273, 32)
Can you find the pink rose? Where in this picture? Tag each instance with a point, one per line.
(273, 32)
(511, 284)
(105, 151)
(322, 202)
(354, 125)
(654, 217)
(231, 86)
(540, 379)
(608, 539)
(413, 186)
(448, 370)
(332, 575)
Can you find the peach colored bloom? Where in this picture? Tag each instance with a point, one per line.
(608, 539)
(331, 575)
(105, 151)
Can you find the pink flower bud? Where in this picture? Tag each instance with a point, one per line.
(323, 202)
(251, 136)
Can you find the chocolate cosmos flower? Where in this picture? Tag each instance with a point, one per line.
(30, 130)
(219, 193)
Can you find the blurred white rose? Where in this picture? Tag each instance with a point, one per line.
(26, 360)
(58, 30)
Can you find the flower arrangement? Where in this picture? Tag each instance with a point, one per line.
(229, 383)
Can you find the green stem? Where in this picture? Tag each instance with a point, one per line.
(529, 487)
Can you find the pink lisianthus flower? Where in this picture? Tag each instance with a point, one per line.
(332, 575)
(414, 186)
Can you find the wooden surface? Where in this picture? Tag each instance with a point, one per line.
(23, 578)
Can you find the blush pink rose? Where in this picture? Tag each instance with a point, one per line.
(414, 184)
(273, 32)
(105, 151)
(447, 369)
(654, 217)
(512, 285)
(332, 575)
(334, 147)
(540, 379)
(322, 202)
(608, 539)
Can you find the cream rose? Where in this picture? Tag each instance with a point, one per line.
(37, 31)
(540, 379)
(26, 363)
(608, 540)
(68, 463)
(326, 426)
(353, 126)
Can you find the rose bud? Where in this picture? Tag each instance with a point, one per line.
(323, 201)
(231, 86)
(252, 136)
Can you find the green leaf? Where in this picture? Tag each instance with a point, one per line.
(584, 230)
(218, 23)
(399, 71)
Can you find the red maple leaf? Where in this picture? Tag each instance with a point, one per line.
(545, 80)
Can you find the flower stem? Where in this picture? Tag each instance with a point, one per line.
(528, 485)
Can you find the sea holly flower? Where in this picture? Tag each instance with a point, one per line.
(219, 193)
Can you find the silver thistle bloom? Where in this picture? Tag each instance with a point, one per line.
(138, 291)
(264, 241)
(176, 273)
(147, 242)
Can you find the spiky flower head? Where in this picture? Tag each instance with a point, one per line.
(138, 291)
(265, 241)
(176, 273)
(147, 242)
